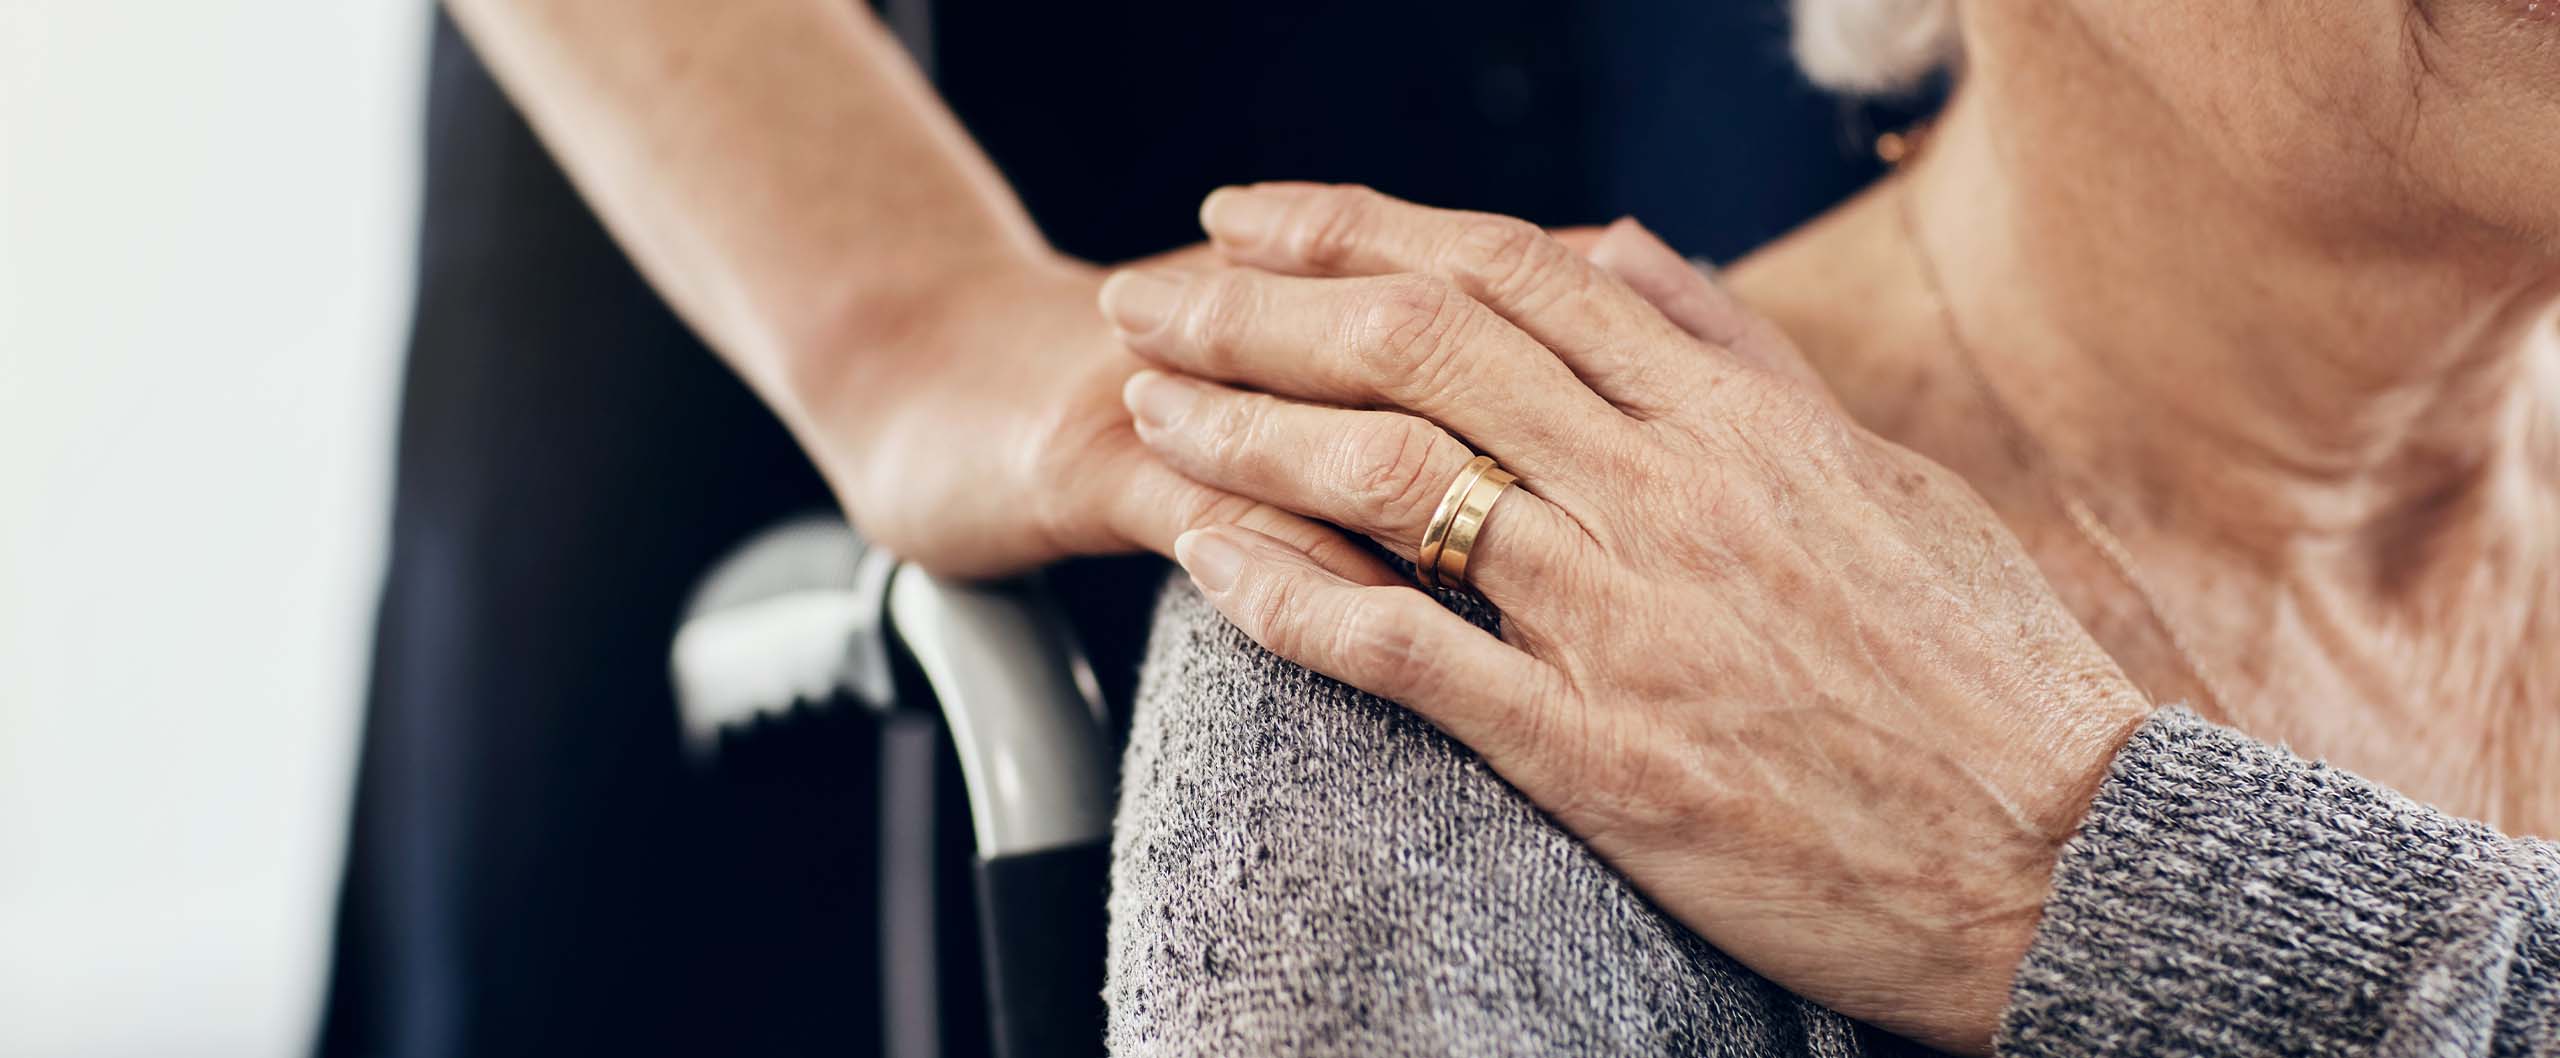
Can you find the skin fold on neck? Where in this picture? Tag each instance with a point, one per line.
(2326, 416)
(2291, 385)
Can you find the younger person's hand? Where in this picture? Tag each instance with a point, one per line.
(1005, 446)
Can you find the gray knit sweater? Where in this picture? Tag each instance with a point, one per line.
(1301, 869)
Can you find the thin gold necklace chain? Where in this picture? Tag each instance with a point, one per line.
(2083, 517)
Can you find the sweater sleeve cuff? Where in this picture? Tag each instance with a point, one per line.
(2226, 897)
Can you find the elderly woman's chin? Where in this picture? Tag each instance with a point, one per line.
(2482, 115)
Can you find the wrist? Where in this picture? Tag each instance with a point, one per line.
(847, 361)
(2078, 755)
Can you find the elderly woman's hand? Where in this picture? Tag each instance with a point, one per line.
(1797, 683)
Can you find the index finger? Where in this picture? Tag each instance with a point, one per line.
(1618, 343)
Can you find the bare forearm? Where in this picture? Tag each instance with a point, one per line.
(778, 168)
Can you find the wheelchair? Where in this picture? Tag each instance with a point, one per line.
(803, 628)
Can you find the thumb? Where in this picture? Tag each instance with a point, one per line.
(1686, 293)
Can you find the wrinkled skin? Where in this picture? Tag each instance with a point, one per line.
(2275, 283)
(1728, 610)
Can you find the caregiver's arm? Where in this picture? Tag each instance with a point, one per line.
(1797, 683)
(792, 185)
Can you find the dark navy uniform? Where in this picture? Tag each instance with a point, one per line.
(528, 871)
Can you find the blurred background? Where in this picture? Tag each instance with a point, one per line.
(211, 274)
(207, 213)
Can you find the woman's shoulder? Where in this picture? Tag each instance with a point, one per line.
(1302, 868)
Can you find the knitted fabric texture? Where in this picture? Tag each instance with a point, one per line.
(1303, 869)
(2225, 897)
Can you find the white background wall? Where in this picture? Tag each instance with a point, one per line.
(205, 216)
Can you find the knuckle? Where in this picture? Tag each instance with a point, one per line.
(1505, 257)
(1406, 335)
(1220, 307)
(1274, 613)
(1373, 635)
(1325, 234)
(1235, 432)
(1389, 471)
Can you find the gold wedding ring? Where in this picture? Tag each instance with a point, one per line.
(1450, 538)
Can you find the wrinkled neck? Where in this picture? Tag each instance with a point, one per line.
(2239, 367)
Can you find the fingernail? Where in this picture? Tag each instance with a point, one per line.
(1239, 216)
(1140, 301)
(1158, 399)
(1212, 559)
